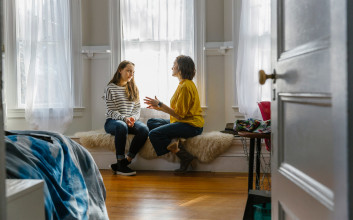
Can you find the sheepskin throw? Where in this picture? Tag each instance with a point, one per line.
(205, 147)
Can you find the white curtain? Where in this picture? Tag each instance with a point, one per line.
(154, 33)
(254, 54)
(44, 62)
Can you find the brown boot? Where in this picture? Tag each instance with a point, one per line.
(185, 160)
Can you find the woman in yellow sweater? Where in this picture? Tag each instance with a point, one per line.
(185, 114)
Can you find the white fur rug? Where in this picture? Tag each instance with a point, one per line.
(205, 147)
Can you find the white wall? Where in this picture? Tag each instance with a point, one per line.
(221, 25)
(95, 22)
(214, 21)
(100, 76)
(232, 10)
(221, 97)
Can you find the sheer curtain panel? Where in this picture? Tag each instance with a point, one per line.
(44, 62)
(154, 33)
(254, 54)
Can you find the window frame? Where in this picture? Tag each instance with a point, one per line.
(11, 85)
(199, 39)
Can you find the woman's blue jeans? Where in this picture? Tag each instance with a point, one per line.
(120, 130)
(162, 132)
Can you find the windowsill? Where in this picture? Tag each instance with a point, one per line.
(235, 108)
(91, 51)
(218, 48)
(204, 110)
(20, 112)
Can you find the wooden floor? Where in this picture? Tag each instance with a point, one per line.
(166, 196)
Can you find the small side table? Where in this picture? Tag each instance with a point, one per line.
(258, 137)
(254, 196)
(25, 199)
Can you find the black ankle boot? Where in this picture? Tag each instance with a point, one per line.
(185, 160)
(121, 168)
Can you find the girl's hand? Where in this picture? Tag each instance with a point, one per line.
(130, 121)
(152, 103)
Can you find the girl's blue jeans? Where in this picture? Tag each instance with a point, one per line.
(120, 130)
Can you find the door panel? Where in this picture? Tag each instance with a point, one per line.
(298, 75)
(298, 17)
(290, 208)
(303, 137)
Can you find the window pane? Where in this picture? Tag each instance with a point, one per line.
(154, 33)
(43, 49)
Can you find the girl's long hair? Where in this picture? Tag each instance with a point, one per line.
(131, 89)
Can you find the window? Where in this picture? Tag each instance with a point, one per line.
(42, 75)
(154, 32)
(43, 51)
(151, 34)
(40, 38)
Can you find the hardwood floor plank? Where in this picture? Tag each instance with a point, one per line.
(164, 195)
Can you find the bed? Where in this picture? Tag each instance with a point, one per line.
(73, 185)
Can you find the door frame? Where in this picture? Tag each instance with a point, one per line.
(2, 140)
(342, 105)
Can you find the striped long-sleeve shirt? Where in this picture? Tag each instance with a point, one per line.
(118, 105)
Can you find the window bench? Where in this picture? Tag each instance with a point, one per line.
(214, 151)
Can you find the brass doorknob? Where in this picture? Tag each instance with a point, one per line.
(263, 77)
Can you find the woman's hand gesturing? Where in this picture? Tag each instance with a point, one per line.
(152, 103)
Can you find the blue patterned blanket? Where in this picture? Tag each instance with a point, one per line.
(73, 185)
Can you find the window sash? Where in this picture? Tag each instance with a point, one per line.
(12, 86)
(152, 39)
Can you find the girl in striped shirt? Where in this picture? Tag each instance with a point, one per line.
(123, 112)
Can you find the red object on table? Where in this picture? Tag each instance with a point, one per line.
(265, 109)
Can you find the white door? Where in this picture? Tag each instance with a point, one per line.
(310, 146)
